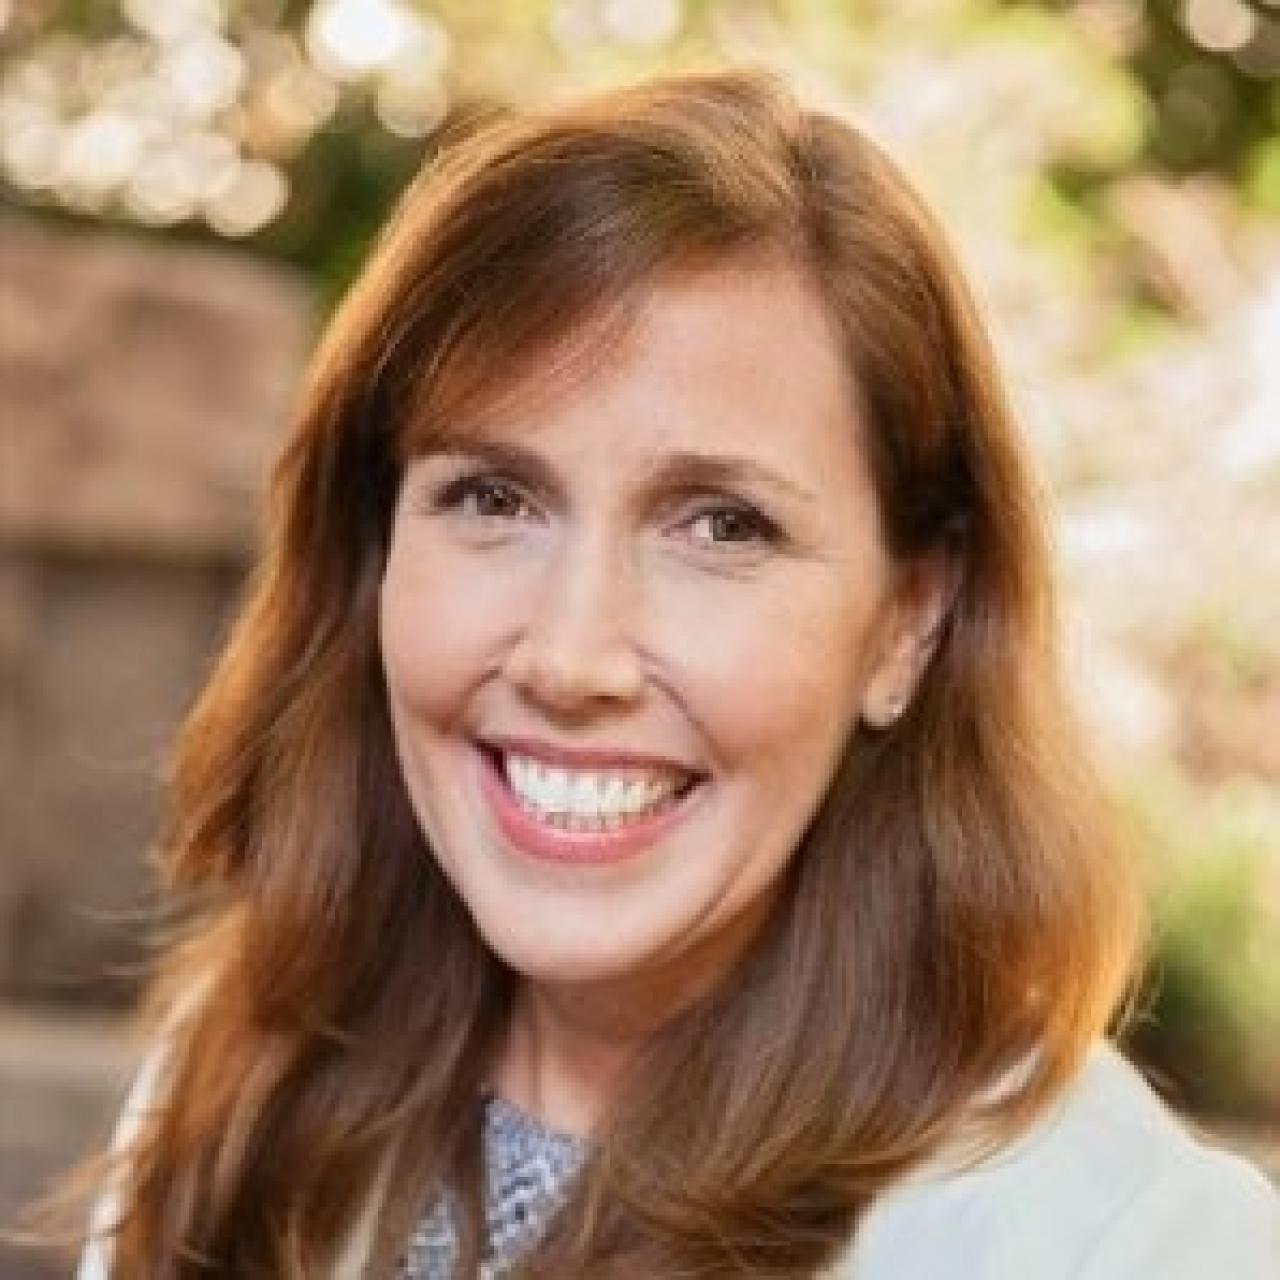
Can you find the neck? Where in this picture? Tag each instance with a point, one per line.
(566, 1048)
(568, 1044)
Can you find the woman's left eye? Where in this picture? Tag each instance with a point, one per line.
(734, 525)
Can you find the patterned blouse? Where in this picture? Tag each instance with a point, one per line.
(529, 1168)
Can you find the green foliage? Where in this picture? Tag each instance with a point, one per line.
(1239, 656)
(1262, 177)
(345, 181)
(1212, 1016)
(1167, 105)
(1208, 109)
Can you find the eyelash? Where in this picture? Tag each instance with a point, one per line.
(453, 494)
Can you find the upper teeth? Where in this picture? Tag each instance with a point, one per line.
(587, 793)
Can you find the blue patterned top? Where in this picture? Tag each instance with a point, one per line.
(529, 1168)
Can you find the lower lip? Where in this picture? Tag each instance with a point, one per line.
(526, 834)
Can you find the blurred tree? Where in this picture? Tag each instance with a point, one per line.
(292, 124)
(1210, 73)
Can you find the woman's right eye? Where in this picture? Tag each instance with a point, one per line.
(485, 497)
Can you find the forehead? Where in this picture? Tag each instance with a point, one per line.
(740, 357)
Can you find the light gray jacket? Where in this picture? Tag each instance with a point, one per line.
(1109, 1185)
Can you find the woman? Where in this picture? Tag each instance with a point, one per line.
(636, 822)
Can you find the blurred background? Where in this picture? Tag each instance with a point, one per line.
(186, 188)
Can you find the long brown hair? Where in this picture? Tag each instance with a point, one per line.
(956, 910)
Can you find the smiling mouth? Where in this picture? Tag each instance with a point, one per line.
(588, 801)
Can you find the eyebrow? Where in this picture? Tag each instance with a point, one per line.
(682, 470)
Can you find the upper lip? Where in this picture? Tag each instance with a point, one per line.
(584, 757)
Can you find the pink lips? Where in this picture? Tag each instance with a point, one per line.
(583, 757)
(539, 840)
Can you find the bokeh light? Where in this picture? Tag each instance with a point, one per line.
(202, 73)
(169, 21)
(294, 102)
(1221, 26)
(648, 23)
(642, 24)
(30, 148)
(98, 153)
(156, 123)
(254, 194)
(354, 38)
(409, 108)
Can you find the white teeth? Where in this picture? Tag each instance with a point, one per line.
(635, 794)
(614, 796)
(586, 799)
(584, 796)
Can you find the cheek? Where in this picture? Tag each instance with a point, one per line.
(777, 675)
(432, 655)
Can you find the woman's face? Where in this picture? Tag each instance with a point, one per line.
(669, 576)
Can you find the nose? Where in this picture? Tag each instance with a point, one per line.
(576, 649)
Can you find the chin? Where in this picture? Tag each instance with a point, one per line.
(572, 961)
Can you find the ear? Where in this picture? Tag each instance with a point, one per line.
(915, 613)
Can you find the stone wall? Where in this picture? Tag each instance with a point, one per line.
(143, 387)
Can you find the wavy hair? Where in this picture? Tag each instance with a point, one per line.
(957, 915)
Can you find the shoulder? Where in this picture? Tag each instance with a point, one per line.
(1109, 1185)
(95, 1261)
(145, 1095)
